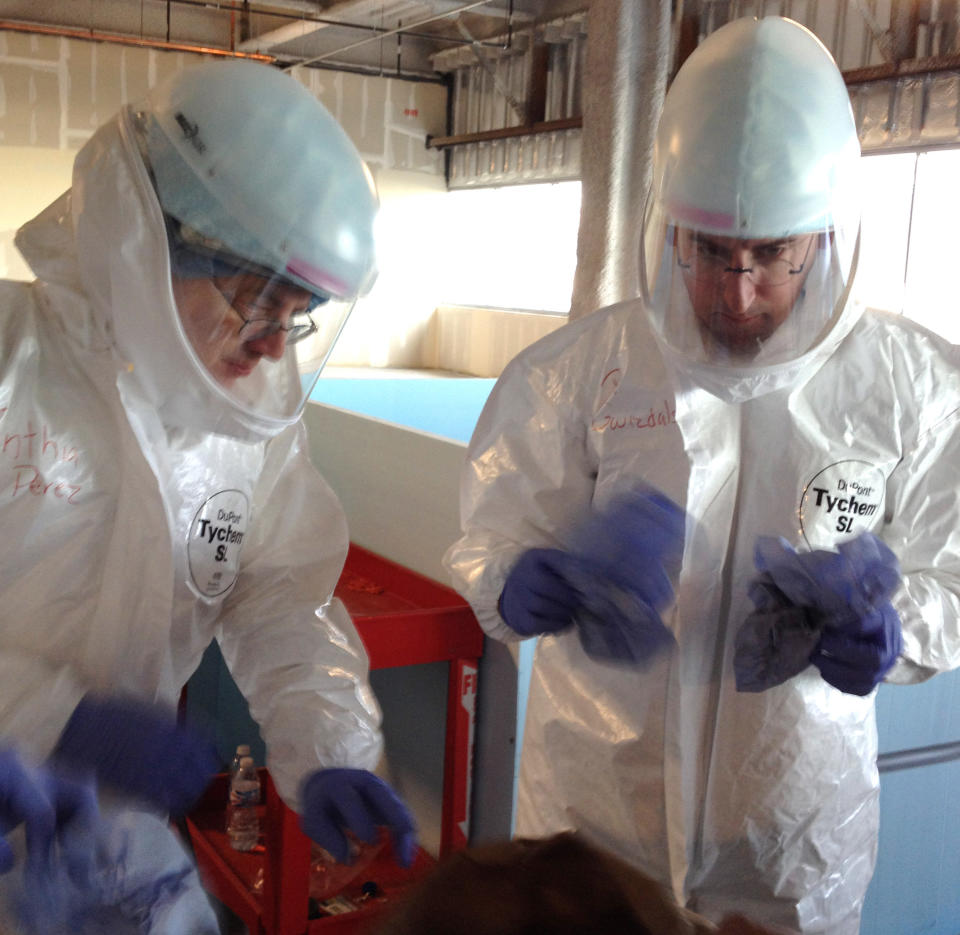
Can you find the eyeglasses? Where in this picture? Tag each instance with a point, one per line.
(261, 327)
(770, 264)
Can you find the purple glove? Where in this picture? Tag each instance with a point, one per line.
(844, 614)
(138, 749)
(636, 541)
(337, 801)
(612, 585)
(628, 556)
(537, 596)
(775, 642)
(852, 581)
(856, 655)
(50, 806)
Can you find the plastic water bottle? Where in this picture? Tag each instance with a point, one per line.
(243, 822)
(242, 751)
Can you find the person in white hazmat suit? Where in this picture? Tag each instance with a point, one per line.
(741, 480)
(156, 489)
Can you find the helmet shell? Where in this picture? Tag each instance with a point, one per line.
(756, 142)
(246, 156)
(757, 137)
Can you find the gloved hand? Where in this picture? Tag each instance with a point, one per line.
(616, 623)
(628, 554)
(338, 801)
(612, 584)
(54, 810)
(537, 597)
(844, 600)
(22, 801)
(138, 749)
(856, 655)
(636, 540)
(776, 640)
(861, 574)
(141, 880)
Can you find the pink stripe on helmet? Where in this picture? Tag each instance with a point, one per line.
(317, 277)
(688, 215)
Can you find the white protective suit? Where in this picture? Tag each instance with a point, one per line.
(764, 803)
(130, 544)
(836, 423)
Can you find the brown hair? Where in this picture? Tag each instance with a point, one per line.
(556, 886)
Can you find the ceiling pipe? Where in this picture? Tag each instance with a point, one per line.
(90, 35)
(287, 33)
(498, 82)
(391, 32)
(321, 21)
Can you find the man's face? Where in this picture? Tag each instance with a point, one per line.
(214, 312)
(742, 291)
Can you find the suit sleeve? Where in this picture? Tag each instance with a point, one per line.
(526, 477)
(925, 535)
(289, 643)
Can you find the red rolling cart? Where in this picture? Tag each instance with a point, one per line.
(404, 619)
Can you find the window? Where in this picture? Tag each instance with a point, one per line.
(515, 247)
(909, 247)
(511, 247)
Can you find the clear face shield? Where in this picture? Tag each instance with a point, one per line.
(268, 211)
(743, 302)
(260, 337)
(751, 225)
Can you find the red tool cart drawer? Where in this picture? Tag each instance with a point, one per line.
(404, 619)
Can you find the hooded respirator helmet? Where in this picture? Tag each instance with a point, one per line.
(752, 220)
(269, 214)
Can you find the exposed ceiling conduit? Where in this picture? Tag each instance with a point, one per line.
(307, 27)
(515, 105)
(252, 49)
(117, 39)
(287, 33)
(307, 22)
(391, 32)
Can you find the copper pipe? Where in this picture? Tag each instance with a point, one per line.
(483, 136)
(910, 68)
(91, 36)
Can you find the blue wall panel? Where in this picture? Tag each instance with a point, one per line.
(445, 406)
(916, 887)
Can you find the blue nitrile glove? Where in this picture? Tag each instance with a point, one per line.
(775, 642)
(615, 623)
(844, 596)
(637, 540)
(139, 750)
(142, 881)
(339, 801)
(537, 596)
(54, 809)
(856, 656)
(22, 801)
(627, 555)
(76, 815)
